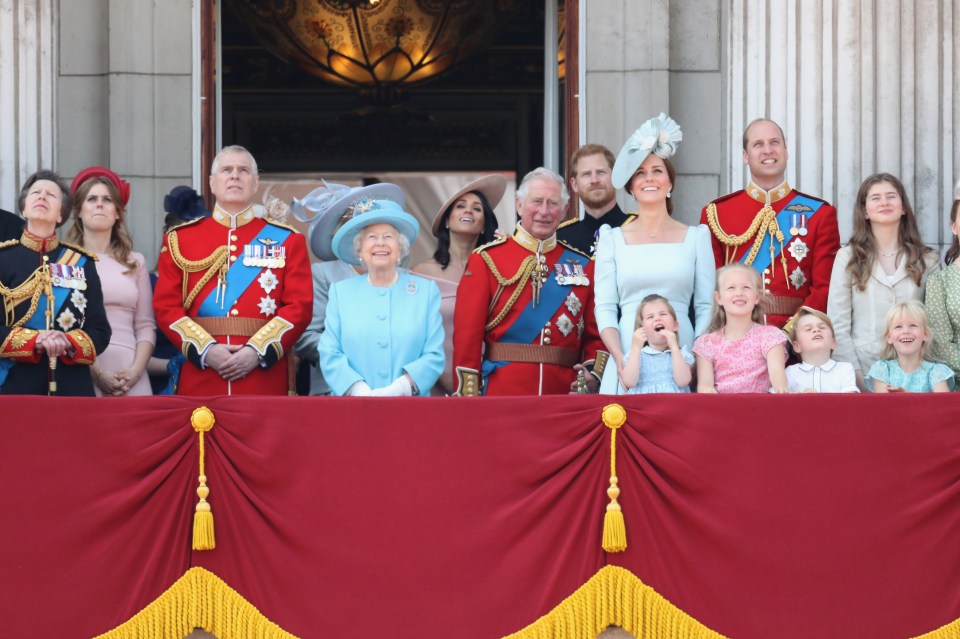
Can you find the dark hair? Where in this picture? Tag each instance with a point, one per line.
(746, 131)
(954, 251)
(120, 243)
(442, 254)
(671, 173)
(45, 174)
(863, 246)
(590, 149)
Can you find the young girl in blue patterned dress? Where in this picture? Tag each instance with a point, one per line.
(904, 367)
(656, 362)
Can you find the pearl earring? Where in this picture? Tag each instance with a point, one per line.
(669, 193)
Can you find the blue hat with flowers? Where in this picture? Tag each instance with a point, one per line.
(329, 206)
(378, 212)
(659, 135)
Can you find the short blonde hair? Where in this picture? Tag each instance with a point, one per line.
(916, 310)
(805, 311)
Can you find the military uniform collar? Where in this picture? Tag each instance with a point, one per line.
(532, 244)
(768, 197)
(39, 244)
(233, 221)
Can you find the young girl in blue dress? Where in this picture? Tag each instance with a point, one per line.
(656, 362)
(905, 366)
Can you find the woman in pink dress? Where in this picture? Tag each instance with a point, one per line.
(100, 200)
(464, 222)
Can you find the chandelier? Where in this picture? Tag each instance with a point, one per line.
(377, 46)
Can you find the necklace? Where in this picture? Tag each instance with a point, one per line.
(396, 278)
(895, 253)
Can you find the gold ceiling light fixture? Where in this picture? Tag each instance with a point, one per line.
(379, 47)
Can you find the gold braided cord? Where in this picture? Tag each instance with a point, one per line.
(213, 263)
(520, 278)
(199, 599)
(39, 283)
(758, 228)
(949, 631)
(615, 596)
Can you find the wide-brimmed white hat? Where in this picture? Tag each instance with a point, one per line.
(379, 211)
(329, 206)
(659, 135)
(492, 186)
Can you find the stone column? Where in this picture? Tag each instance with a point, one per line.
(858, 87)
(27, 93)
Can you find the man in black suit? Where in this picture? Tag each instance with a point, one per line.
(11, 226)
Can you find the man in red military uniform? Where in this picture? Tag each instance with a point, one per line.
(524, 323)
(234, 290)
(789, 237)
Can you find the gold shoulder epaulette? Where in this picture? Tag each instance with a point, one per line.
(81, 250)
(570, 247)
(494, 242)
(187, 223)
(282, 225)
(4, 245)
(569, 222)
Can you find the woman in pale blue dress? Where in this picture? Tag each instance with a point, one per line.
(651, 252)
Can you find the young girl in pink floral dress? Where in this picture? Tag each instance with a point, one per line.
(738, 354)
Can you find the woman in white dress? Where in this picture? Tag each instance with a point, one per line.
(651, 252)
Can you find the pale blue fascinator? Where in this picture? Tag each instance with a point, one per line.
(659, 135)
(328, 207)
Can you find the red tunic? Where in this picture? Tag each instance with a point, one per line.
(571, 325)
(274, 319)
(807, 277)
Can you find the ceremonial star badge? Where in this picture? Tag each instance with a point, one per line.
(268, 281)
(573, 303)
(268, 306)
(797, 278)
(565, 324)
(79, 300)
(798, 250)
(66, 320)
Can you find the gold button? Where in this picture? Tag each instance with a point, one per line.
(547, 325)
(233, 247)
(766, 271)
(234, 312)
(233, 238)
(546, 340)
(546, 332)
(233, 258)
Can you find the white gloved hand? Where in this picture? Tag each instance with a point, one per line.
(360, 389)
(400, 387)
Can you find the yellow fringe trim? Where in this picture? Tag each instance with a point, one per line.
(614, 529)
(199, 599)
(202, 421)
(949, 631)
(615, 596)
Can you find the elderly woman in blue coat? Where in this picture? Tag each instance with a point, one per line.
(383, 332)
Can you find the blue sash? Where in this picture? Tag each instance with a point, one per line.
(532, 319)
(799, 204)
(38, 321)
(240, 276)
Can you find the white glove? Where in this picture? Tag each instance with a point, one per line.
(400, 387)
(360, 389)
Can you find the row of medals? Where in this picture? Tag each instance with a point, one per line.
(66, 276)
(264, 256)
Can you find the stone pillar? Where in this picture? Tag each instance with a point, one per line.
(27, 93)
(125, 100)
(858, 88)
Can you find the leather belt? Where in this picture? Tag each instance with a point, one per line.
(532, 353)
(779, 304)
(239, 326)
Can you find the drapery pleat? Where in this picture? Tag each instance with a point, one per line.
(751, 516)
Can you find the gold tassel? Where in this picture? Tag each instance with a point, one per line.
(614, 528)
(202, 421)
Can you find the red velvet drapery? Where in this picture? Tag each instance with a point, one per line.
(797, 516)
